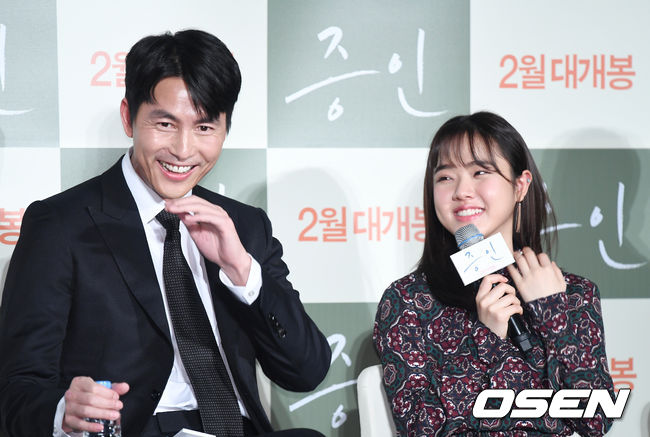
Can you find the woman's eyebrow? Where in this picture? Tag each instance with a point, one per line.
(481, 163)
(442, 167)
(478, 162)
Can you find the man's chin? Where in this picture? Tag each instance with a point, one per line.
(175, 193)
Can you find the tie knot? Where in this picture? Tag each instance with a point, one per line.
(168, 220)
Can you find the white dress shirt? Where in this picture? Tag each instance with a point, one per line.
(178, 393)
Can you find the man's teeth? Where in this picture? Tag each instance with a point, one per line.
(176, 168)
(468, 212)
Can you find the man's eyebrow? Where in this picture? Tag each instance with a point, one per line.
(161, 113)
(207, 119)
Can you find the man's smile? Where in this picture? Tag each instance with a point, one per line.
(176, 168)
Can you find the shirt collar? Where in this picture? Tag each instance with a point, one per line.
(149, 203)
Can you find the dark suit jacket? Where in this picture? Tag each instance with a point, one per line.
(81, 299)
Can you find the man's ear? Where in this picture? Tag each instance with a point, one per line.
(522, 183)
(125, 115)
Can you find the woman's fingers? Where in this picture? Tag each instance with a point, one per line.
(536, 276)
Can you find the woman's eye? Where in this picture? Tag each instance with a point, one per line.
(481, 172)
(442, 178)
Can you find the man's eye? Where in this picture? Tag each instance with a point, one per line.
(205, 128)
(164, 124)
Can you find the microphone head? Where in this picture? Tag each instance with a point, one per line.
(468, 235)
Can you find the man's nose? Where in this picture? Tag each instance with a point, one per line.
(183, 146)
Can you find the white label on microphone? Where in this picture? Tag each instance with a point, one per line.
(482, 258)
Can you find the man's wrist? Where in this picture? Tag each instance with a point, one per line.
(59, 416)
(248, 292)
(238, 273)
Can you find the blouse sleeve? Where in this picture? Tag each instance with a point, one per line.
(432, 375)
(571, 327)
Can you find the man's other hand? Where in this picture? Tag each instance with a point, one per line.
(85, 398)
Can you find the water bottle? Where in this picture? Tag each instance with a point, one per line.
(112, 428)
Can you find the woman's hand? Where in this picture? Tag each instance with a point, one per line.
(496, 302)
(536, 276)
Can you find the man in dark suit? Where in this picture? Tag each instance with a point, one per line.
(87, 293)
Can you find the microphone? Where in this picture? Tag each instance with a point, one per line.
(469, 235)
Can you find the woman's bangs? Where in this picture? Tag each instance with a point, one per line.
(482, 149)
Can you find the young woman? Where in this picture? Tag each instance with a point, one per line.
(441, 343)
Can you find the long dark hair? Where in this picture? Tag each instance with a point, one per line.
(535, 227)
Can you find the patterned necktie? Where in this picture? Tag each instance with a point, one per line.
(198, 348)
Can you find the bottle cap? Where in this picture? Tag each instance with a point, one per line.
(106, 384)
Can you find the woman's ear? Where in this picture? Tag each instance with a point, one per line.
(522, 183)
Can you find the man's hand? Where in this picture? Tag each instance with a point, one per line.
(86, 398)
(215, 235)
(536, 276)
(496, 302)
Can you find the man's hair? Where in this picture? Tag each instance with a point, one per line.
(205, 64)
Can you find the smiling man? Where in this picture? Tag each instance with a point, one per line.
(141, 277)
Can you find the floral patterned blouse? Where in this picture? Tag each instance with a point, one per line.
(438, 358)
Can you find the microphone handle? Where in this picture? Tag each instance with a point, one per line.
(516, 328)
(518, 333)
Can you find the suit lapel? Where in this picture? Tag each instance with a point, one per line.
(120, 225)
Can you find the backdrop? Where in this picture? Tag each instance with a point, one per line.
(339, 103)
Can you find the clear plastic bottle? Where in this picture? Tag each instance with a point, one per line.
(112, 428)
